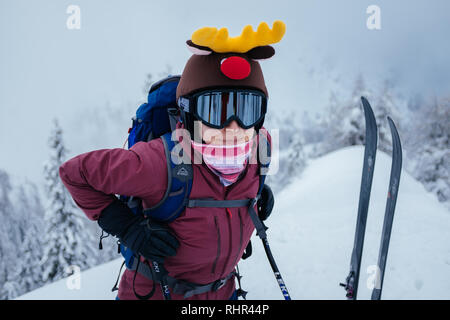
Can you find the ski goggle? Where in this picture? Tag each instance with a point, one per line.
(217, 108)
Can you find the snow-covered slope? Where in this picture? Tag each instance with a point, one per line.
(94, 284)
(312, 229)
(311, 235)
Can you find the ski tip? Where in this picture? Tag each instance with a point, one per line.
(396, 142)
(366, 105)
(393, 128)
(391, 122)
(371, 123)
(364, 101)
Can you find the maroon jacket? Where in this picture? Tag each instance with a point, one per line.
(212, 240)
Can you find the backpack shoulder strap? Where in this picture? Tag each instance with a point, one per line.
(179, 185)
(263, 167)
(169, 175)
(259, 225)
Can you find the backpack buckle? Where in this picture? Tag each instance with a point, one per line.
(218, 284)
(253, 201)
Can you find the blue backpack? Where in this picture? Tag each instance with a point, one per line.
(154, 119)
(157, 118)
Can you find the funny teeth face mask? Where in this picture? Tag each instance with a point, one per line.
(226, 161)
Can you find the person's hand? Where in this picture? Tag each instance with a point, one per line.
(150, 238)
(265, 203)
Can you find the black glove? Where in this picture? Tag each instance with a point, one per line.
(149, 238)
(265, 203)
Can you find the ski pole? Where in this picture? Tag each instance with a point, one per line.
(261, 232)
(275, 270)
(161, 274)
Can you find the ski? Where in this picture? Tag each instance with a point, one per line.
(370, 149)
(396, 168)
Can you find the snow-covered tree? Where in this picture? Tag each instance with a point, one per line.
(150, 80)
(29, 269)
(428, 146)
(343, 123)
(66, 242)
(296, 155)
(20, 233)
(291, 163)
(147, 83)
(384, 106)
(7, 248)
(290, 150)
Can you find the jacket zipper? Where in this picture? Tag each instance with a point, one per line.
(230, 249)
(218, 245)
(240, 237)
(241, 231)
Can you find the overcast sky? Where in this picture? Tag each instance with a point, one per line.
(47, 70)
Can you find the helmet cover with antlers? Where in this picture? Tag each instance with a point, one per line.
(222, 61)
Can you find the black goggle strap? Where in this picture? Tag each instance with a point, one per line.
(184, 104)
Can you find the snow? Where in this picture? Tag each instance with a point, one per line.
(94, 284)
(311, 235)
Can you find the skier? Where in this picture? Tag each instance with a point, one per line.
(222, 101)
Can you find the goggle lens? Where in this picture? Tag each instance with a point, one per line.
(216, 107)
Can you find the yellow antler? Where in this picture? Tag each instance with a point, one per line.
(219, 41)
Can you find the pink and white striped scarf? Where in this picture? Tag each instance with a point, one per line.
(226, 161)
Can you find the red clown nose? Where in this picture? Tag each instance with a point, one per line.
(235, 67)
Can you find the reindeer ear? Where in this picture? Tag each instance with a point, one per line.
(198, 50)
(261, 53)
